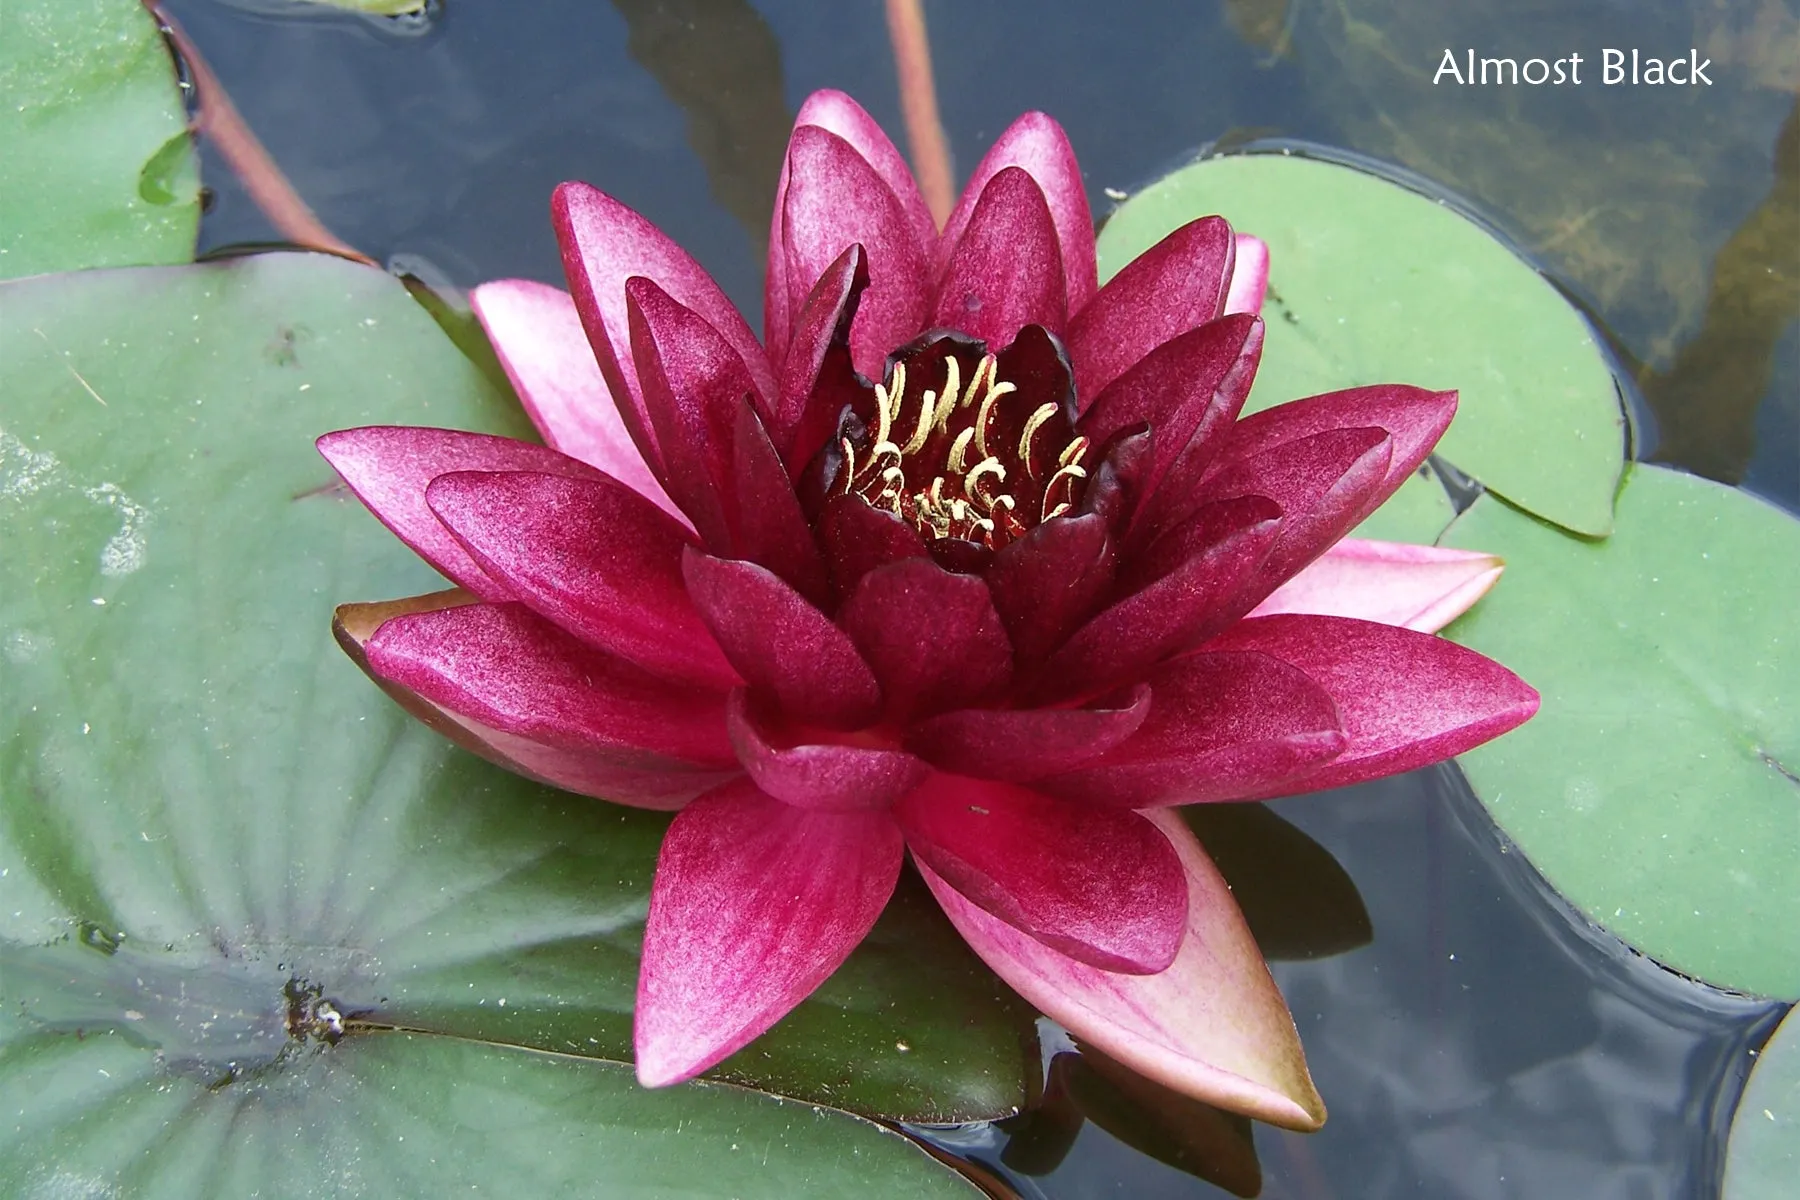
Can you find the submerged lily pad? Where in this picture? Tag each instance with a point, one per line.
(191, 769)
(95, 160)
(1372, 283)
(1763, 1159)
(1658, 788)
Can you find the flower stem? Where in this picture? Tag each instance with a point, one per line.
(918, 103)
(217, 120)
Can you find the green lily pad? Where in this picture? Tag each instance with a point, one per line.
(96, 164)
(406, 1115)
(1372, 283)
(189, 767)
(1658, 788)
(1763, 1158)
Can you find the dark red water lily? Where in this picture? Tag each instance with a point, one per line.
(969, 557)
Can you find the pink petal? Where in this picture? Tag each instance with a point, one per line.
(834, 112)
(813, 774)
(767, 523)
(1176, 285)
(604, 244)
(389, 466)
(1222, 546)
(835, 199)
(1048, 582)
(1392, 583)
(693, 382)
(817, 376)
(1221, 727)
(1250, 277)
(1406, 699)
(1038, 144)
(508, 668)
(1189, 390)
(1212, 1026)
(755, 903)
(620, 776)
(1322, 483)
(1024, 744)
(591, 556)
(537, 334)
(1101, 885)
(788, 651)
(1414, 417)
(858, 538)
(1005, 270)
(932, 637)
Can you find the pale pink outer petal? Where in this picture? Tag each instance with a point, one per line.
(1391, 583)
(1212, 1026)
(1249, 277)
(755, 903)
(537, 334)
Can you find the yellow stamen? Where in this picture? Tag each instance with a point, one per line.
(1033, 423)
(959, 450)
(946, 403)
(1072, 453)
(987, 466)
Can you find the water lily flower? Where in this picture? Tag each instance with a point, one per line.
(969, 558)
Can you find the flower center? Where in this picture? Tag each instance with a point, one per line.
(976, 458)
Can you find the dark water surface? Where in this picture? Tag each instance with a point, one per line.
(1486, 1042)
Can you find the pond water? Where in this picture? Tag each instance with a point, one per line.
(1485, 1042)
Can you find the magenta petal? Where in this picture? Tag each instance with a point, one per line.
(622, 776)
(693, 384)
(1101, 885)
(1221, 727)
(817, 376)
(1229, 542)
(1392, 583)
(506, 667)
(590, 555)
(1322, 483)
(1028, 743)
(1036, 143)
(1250, 276)
(755, 903)
(836, 199)
(1414, 417)
(1047, 583)
(836, 113)
(1005, 271)
(828, 776)
(787, 650)
(1212, 1026)
(389, 466)
(604, 244)
(1189, 390)
(858, 538)
(537, 334)
(767, 524)
(932, 637)
(1407, 699)
(1176, 285)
